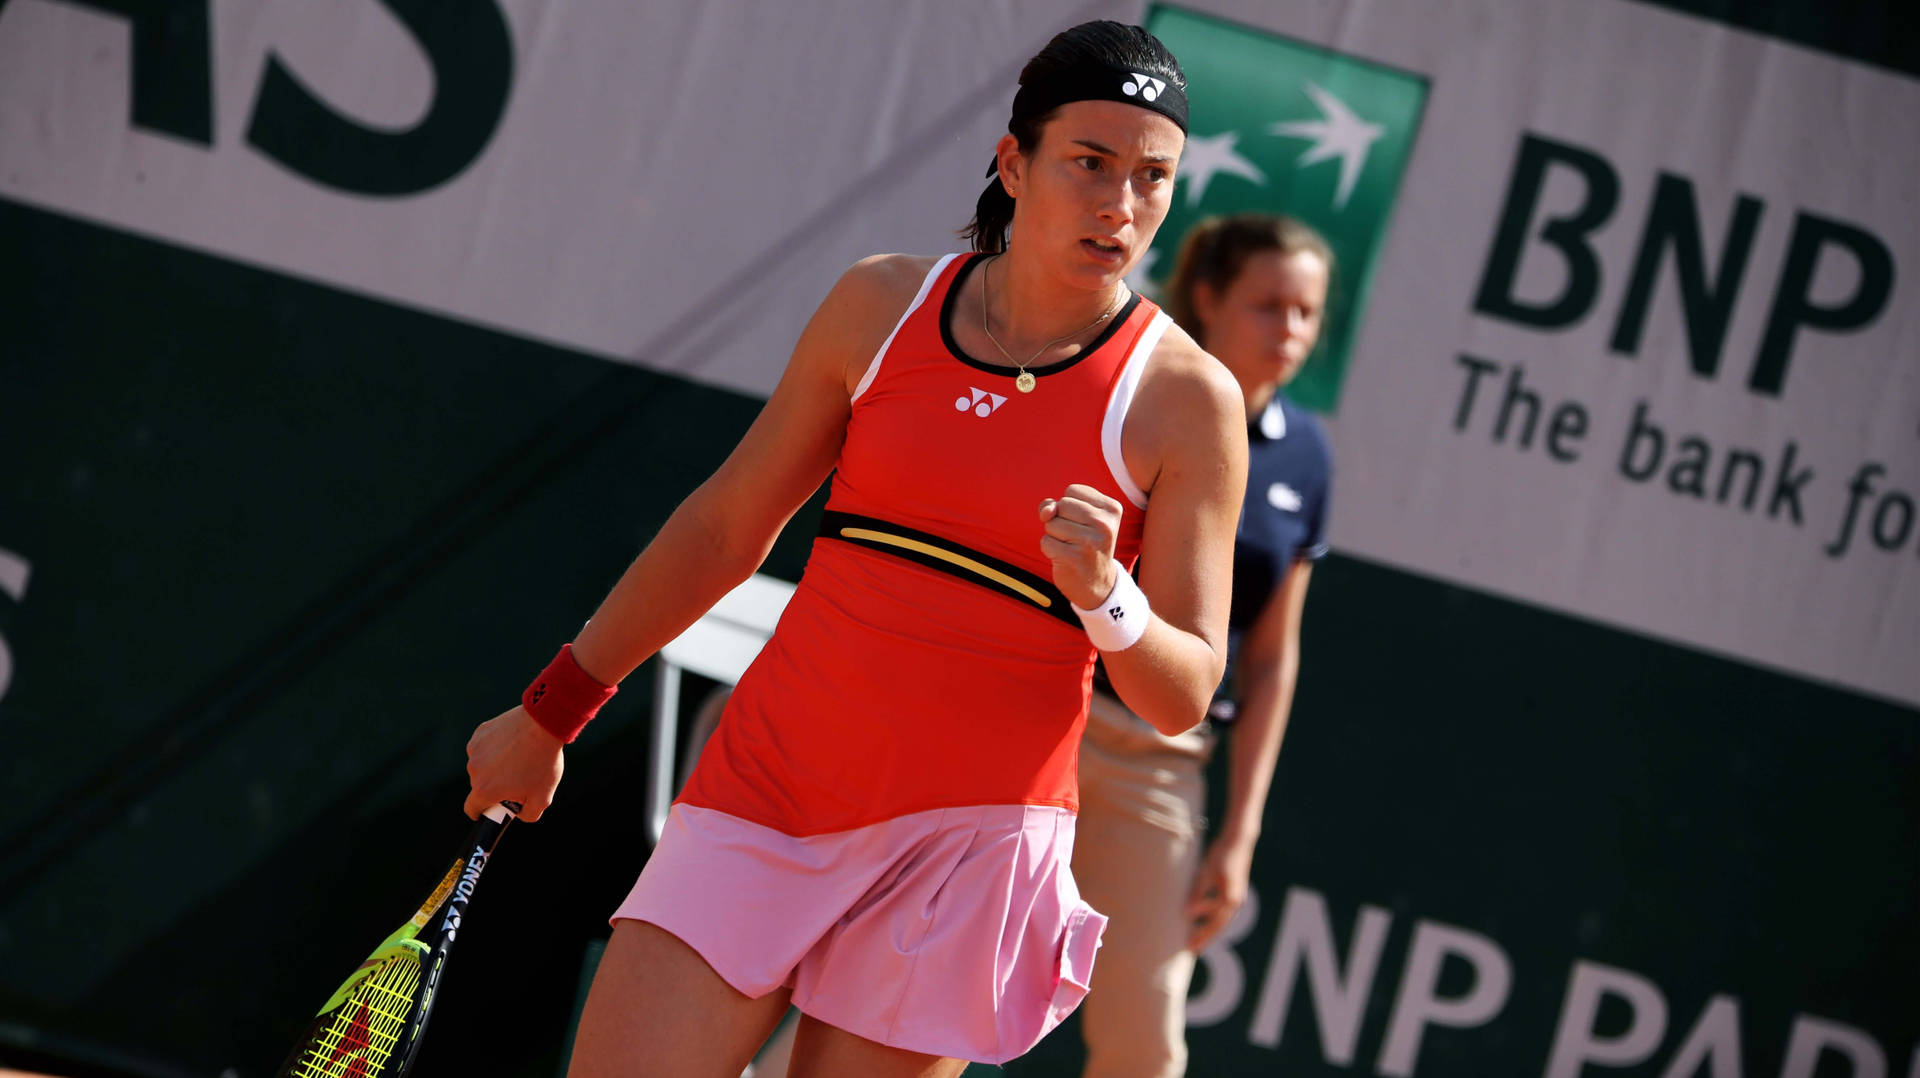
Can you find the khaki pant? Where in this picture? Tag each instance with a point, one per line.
(1136, 849)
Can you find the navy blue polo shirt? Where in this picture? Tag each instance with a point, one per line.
(1284, 516)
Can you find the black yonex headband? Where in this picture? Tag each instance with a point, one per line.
(1098, 82)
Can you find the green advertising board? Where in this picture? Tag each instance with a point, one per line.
(1282, 126)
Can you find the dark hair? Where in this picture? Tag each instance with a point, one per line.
(1101, 43)
(1215, 250)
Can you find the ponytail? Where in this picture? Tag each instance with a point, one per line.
(992, 216)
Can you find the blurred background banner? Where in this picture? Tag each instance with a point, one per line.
(349, 351)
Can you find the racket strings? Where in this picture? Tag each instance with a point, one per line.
(360, 1039)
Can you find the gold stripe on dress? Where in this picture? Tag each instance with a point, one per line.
(1037, 598)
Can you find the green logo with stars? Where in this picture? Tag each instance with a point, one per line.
(1281, 126)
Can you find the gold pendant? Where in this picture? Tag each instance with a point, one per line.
(1025, 382)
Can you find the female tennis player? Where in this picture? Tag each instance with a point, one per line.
(1252, 289)
(880, 828)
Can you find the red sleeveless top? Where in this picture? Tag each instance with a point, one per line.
(925, 660)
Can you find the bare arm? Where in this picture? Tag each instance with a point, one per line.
(1186, 431)
(1192, 430)
(1268, 669)
(721, 533)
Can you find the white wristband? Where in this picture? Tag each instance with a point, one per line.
(1117, 623)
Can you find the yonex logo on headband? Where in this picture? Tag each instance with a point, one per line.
(1146, 86)
(1099, 82)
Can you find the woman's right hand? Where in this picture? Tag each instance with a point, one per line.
(512, 758)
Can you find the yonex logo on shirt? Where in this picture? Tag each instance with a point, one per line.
(980, 404)
(1283, 497)
(1146, 86)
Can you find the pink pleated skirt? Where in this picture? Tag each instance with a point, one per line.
(954, 932)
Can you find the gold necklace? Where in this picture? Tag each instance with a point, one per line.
(1025, 381)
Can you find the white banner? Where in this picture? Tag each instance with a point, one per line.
(1766, 510)
(1642, 343)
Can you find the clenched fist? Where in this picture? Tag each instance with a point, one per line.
(1081, 527)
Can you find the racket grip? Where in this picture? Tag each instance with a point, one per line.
(503, 811)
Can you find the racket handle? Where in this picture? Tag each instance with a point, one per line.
(503, 811)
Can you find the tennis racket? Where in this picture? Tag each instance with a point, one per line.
(372, 1025)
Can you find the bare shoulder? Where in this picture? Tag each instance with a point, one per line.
(1187, 397)
(865, 303)
(1188, 418)
(888, 280)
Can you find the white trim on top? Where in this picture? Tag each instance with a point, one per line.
(1122, 399)
(873, 369)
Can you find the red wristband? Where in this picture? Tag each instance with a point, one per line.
(564, 697)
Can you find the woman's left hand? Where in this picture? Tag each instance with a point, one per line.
(1080, 530)
(1219, 889)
